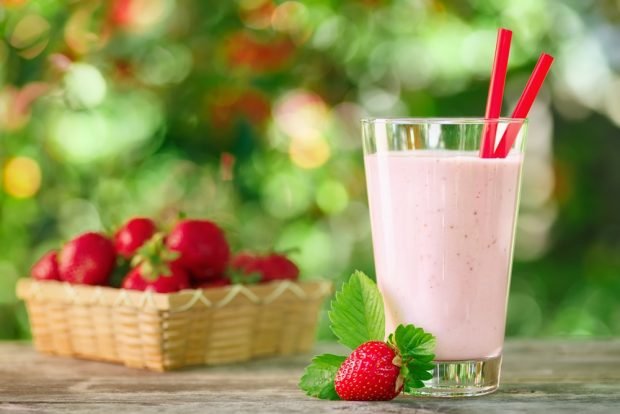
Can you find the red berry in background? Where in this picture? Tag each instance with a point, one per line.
(245, 51)
(120, 13)
(202, 246)
(172, 279)
(132, 235)
(279, 267)
(274, 266)
(246, 262)
(88, 259)
(46, 268)
(369, 374)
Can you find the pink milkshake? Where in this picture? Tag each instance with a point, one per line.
(442, 226)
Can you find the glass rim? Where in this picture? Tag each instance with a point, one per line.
(442, 120)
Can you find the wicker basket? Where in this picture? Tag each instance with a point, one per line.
(166, 331)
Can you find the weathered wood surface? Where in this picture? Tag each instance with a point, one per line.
(567, 376)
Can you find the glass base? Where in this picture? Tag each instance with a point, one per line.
(462, 378)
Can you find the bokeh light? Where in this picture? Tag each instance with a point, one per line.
(164, 64)
(287, 194)
(30, 35)
(140, 15)
(84, 86)
(79, 137)
(309, 153)
(332, 197)
(80, 33)
(21, 177)
(292, 17)
(256, 14)
(120, 125)
(312, 241)
(328, 32)
(304, 117)
(301, 114)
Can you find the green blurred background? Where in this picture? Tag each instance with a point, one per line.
(248, 112)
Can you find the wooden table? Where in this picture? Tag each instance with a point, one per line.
(567, 376)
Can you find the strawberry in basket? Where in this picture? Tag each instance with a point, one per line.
(166, 278)
(155, 269)
(46, 268)
(87, 259)
(132, 235)
(202, 248)
(270, 267)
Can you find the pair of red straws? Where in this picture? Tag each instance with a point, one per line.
(496, 94)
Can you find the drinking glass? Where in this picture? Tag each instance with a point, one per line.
(443, 223)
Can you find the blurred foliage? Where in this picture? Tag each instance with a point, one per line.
(248, 112)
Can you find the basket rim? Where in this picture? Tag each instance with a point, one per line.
(64, 292)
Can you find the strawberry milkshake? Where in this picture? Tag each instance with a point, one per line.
(443, 226)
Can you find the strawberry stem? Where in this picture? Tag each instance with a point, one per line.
(154, 258)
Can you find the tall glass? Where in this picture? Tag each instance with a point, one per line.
(443, 223)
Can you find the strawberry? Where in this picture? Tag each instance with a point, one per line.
(46, 268)
(243, 260)
(172, 279)
(202, 247)
(369, 374)
(132, 235)
(279, 267)
(155, 269)
(87, 259)
(246, 267)
(271, 267)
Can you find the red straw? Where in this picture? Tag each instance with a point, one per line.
(496, 91)
(524, 104)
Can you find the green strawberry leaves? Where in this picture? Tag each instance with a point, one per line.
(413, 343)
(416, 350)
(357, 312)
(357, 316)
(318, 378)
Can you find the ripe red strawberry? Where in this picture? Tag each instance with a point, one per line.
(203, 248)
(274, 266)
(46, 268)
(279, 267)
(169, 280)
(132, 235)
(243, 260)
(369, 374)
(246, 266)
(155, 269)
(88, 259)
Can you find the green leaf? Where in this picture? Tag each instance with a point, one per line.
(423, 357)
(411, 385)
(416, 348)
(414, 342)
(357, 312)
(318, 378)
(420, 366)
(416, 372)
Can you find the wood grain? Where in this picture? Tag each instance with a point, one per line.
(556, 376)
